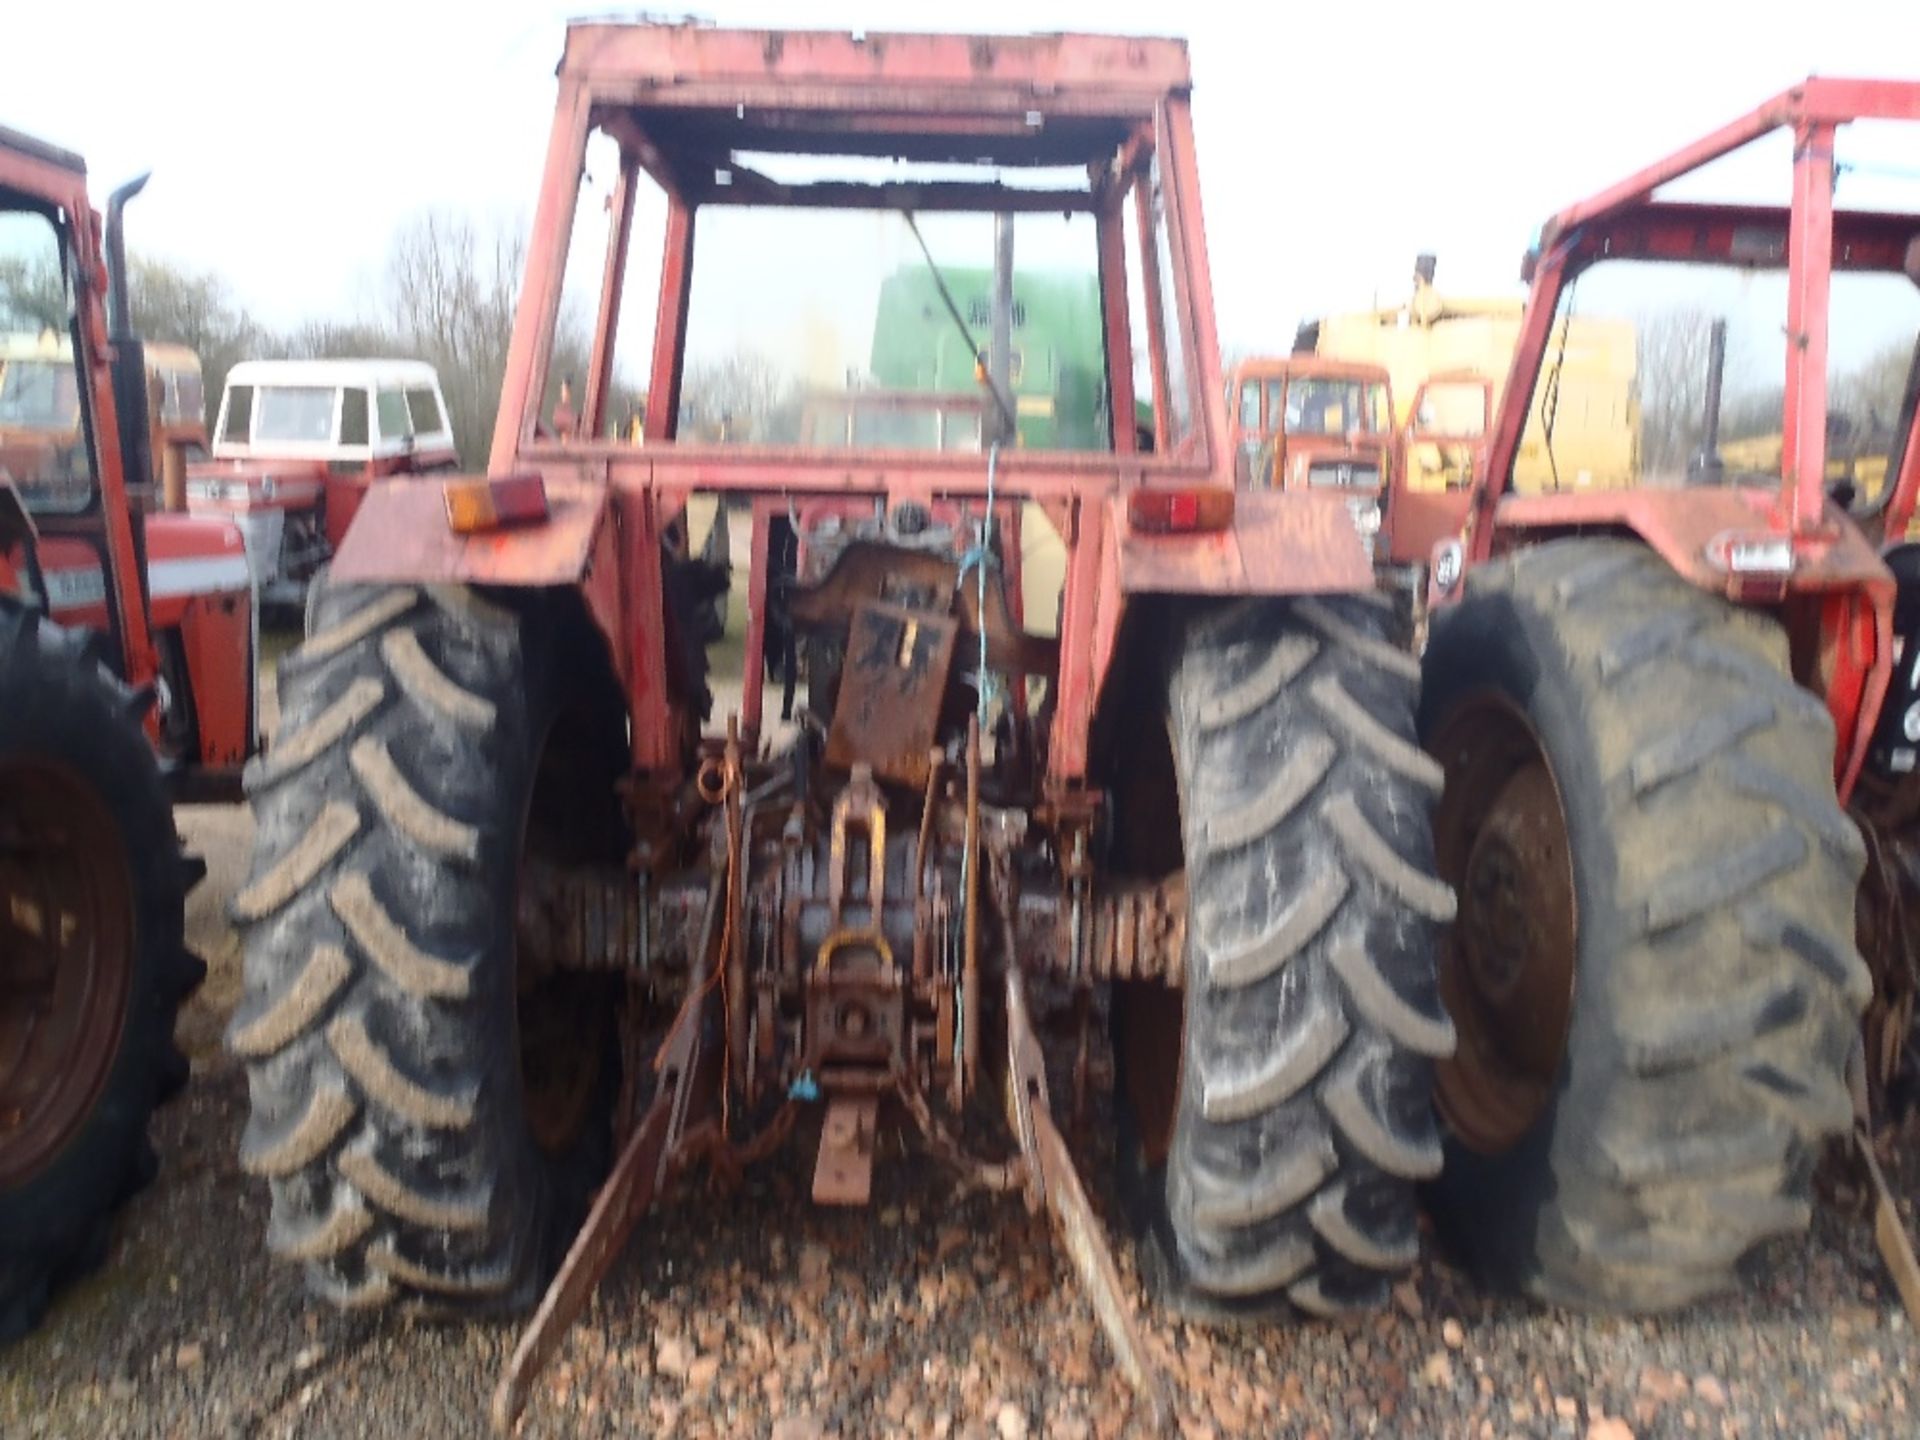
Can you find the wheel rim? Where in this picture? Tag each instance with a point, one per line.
(66, 915)
(1507, 972)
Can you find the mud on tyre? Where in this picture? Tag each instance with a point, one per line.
(1276, 1113)
(1653, 972)
(93, 964)
(428, 1104)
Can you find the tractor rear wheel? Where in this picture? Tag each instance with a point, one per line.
(429, 1101)
(93, 963)
(1277, 1113)
(1653, 972)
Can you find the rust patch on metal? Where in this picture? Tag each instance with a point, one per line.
(892, 689)
(843, 1169)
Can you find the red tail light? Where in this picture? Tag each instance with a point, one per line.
(1180, 512)
(475, 505)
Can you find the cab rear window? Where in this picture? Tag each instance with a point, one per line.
(298, 414)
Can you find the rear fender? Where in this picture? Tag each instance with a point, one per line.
(400, 535)
(1281, 542)
(1685, 527)
(1837, 574)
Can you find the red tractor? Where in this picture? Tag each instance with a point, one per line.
(296, 443)
(523, 900)
(125, 679)
(1679, 721)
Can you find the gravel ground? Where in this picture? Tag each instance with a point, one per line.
(755, 1314)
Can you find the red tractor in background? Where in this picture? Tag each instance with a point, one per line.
(1306, 420)
(1678, 722)
(519, 906)
(295, 445)
(125, 662)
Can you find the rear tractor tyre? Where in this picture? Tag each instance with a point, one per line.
(93, 964)
(424, 1138)
(1277, 1113)
(1653, 972)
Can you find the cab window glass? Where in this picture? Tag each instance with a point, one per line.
(296, 414)
(423, 408)
(353, 417)
(191, 400)
(1379, 410)
(43, 439)
(394, 423)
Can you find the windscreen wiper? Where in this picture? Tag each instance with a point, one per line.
(1001, 402)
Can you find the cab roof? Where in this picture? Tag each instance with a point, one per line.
(333, 373)
(51, 345)
(41, 151)
(691, 97)
(1277, 367)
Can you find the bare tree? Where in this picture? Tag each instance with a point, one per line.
(744, 396)
(169, 302)
(451, 290)
(1874, 389)
(449, 298)
(32, 296)
(194, 308)
(1672, 369)
(334, 340)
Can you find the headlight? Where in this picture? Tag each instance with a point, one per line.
(1366, 516)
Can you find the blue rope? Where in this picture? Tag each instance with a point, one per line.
(979, 558)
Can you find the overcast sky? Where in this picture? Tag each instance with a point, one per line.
(1336, 139)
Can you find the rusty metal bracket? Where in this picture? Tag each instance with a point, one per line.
(1051, 1179)
(1889, 1232)
(630, 1189)
(843, 1169)
(651, 1153)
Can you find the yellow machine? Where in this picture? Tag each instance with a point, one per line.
(1596, 416)
(40, 399)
